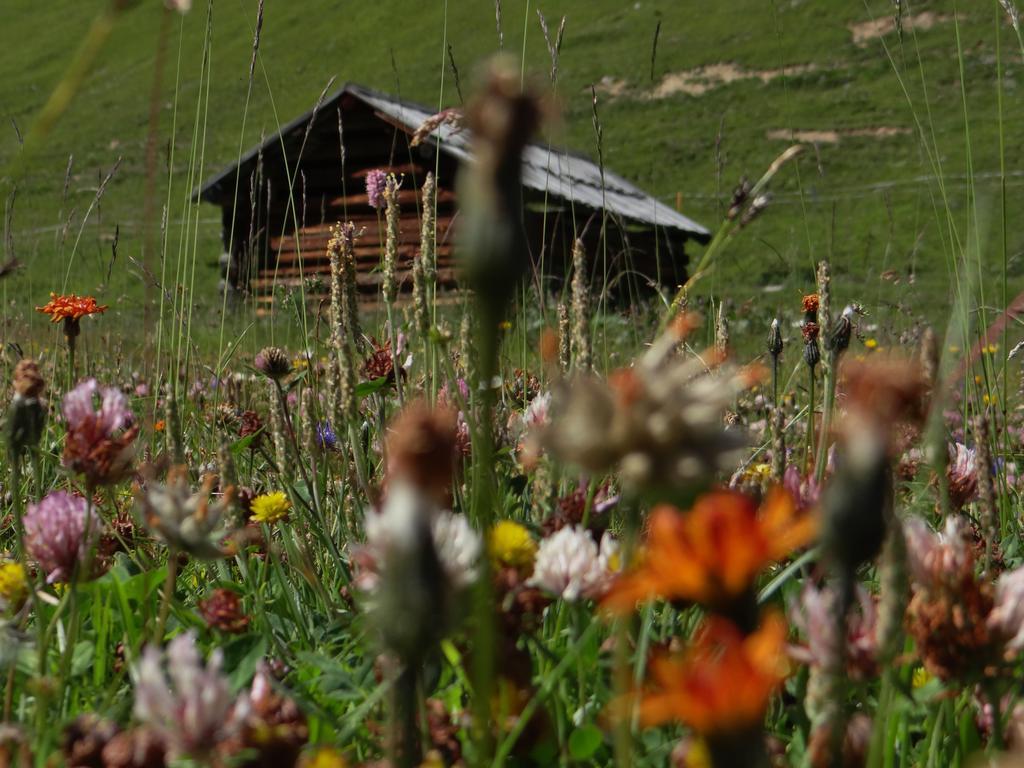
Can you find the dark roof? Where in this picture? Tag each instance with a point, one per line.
(551, 170)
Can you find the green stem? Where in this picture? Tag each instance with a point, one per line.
(829, 386)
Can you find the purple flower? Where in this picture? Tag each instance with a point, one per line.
(376, 181)
(804, 490)
(325, 438)
(80, 411)
(194, 709)
(55, 533)
(99, 443)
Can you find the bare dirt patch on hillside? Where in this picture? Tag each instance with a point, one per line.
(835, 136)
(866, 31)
(700, 80)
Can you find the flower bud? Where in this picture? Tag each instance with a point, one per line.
(839, 335)
(775, 338)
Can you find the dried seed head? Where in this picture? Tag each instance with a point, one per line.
(273, 362)
(739, 198)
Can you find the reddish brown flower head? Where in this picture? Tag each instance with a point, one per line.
(223, 610)
(723, 682)
(810, 330)
(273, 730)
(70, 307)
(810, 304)
(251, 424)
(380, 364)
(99, 442)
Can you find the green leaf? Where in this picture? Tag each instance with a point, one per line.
(242, 444)
(585, 741)
(81, 657)
(244, 654)
(367, 388)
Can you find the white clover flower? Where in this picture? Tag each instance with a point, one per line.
(193, 710)
(458, 547)
(933, 556)
(1007, 616)
(538, 411)
(391, 532)
(570, 564)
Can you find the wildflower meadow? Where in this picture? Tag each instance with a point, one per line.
(441, 505)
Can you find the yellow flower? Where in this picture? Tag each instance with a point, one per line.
(871, 343)
(977, 379)
(505, 325)
(510, 544)
(13, 585)
(921, 678)
(270, 508)
(992, 349)
(324, 757)
(757, 474)
(697, 756)
(987, 400)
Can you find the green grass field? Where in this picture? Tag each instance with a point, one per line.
(905, 158)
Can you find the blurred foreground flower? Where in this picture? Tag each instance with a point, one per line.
(721, 686)
(814, 616)
(59, 532)
(457, 546)
(712, 554)
(99, 443)
(184, 520)
(193, 710)
(271, 728)
(658, 424)
(570, 564)
(26, 417)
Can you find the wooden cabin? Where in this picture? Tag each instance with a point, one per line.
(279, 203)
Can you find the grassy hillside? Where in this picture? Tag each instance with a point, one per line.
(900, 139)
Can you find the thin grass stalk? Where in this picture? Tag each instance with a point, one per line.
(388, 283)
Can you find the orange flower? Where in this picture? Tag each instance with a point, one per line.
(810, 304)
(712, 554)
(723, 682)
(160, 425)
(70, 307)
